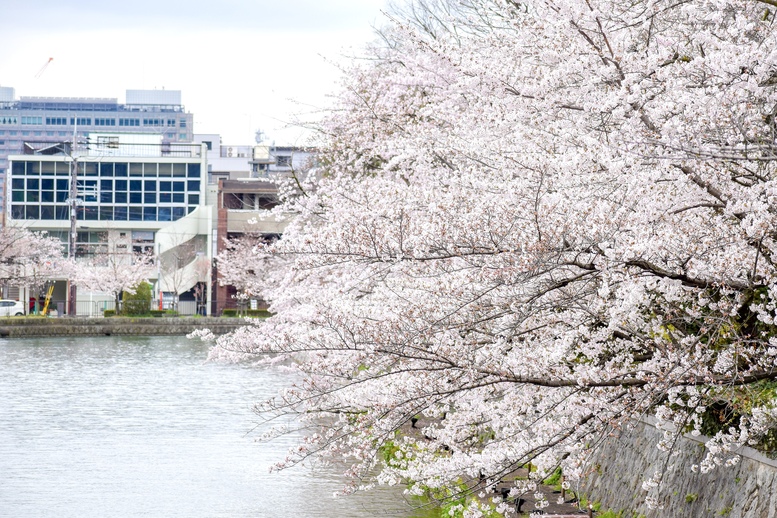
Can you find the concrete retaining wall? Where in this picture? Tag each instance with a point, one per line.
(31, 327)
(748, 489)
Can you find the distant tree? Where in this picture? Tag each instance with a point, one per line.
(28, 258)
(113, 268)
(137, 300)
(183, 266)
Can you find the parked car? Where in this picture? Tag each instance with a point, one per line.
(11, 308)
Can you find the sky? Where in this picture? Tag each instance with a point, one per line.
(241, 65)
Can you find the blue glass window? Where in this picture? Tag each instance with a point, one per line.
(178, 213)
(149, 213)
(120, 185)
(136, 197)
(165, 214)
(178, 197)
(136, 213)
(120, 197)
(149, 197)
(120, 213)
(193, 170)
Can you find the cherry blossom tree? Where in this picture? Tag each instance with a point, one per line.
(113, 269)
(28, 257)
(538, 222)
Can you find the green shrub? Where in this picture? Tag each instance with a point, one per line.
(109, 313)
(138, 303)
(255, 313)
(262, 313)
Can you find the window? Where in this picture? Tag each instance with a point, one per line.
(283, 161)
(171, 123)
(104, 122)
(182, 123)
(81, 121)
(107, 142)
(208, 144)
(56, 121)
(129, 122)
(32, 120)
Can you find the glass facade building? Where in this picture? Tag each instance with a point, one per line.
(54, 119)
(117, 189)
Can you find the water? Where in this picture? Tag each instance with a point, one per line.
(109, 426)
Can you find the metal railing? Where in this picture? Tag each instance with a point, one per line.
(96, 308)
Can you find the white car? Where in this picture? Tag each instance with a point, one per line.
(10, 308)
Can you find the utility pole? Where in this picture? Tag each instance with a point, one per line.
(71, 253)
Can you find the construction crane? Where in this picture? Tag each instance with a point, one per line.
(43, 68)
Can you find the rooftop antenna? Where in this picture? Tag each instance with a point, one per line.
(43, 68)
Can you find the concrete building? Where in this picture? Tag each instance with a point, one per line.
(141, 191)
(134, 193)
(41, 120)
(242, 184)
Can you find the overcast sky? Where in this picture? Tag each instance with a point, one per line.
(241, 65)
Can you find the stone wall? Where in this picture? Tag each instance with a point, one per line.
(31, 327)
(748, 489)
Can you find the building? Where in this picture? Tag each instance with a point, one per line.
(134, 193)
(145, 191)
(41, 120)
(242, 184)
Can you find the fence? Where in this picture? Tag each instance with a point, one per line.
(96, 308)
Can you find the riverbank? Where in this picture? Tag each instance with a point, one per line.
(18, 327)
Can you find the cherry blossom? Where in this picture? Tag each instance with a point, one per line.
(536, 222)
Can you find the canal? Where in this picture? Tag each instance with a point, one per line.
(118, 426)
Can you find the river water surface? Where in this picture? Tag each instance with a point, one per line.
(125, 427)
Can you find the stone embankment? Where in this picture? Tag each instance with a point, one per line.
(32, 327)
(747, 489)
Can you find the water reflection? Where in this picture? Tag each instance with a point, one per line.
(113, 426)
